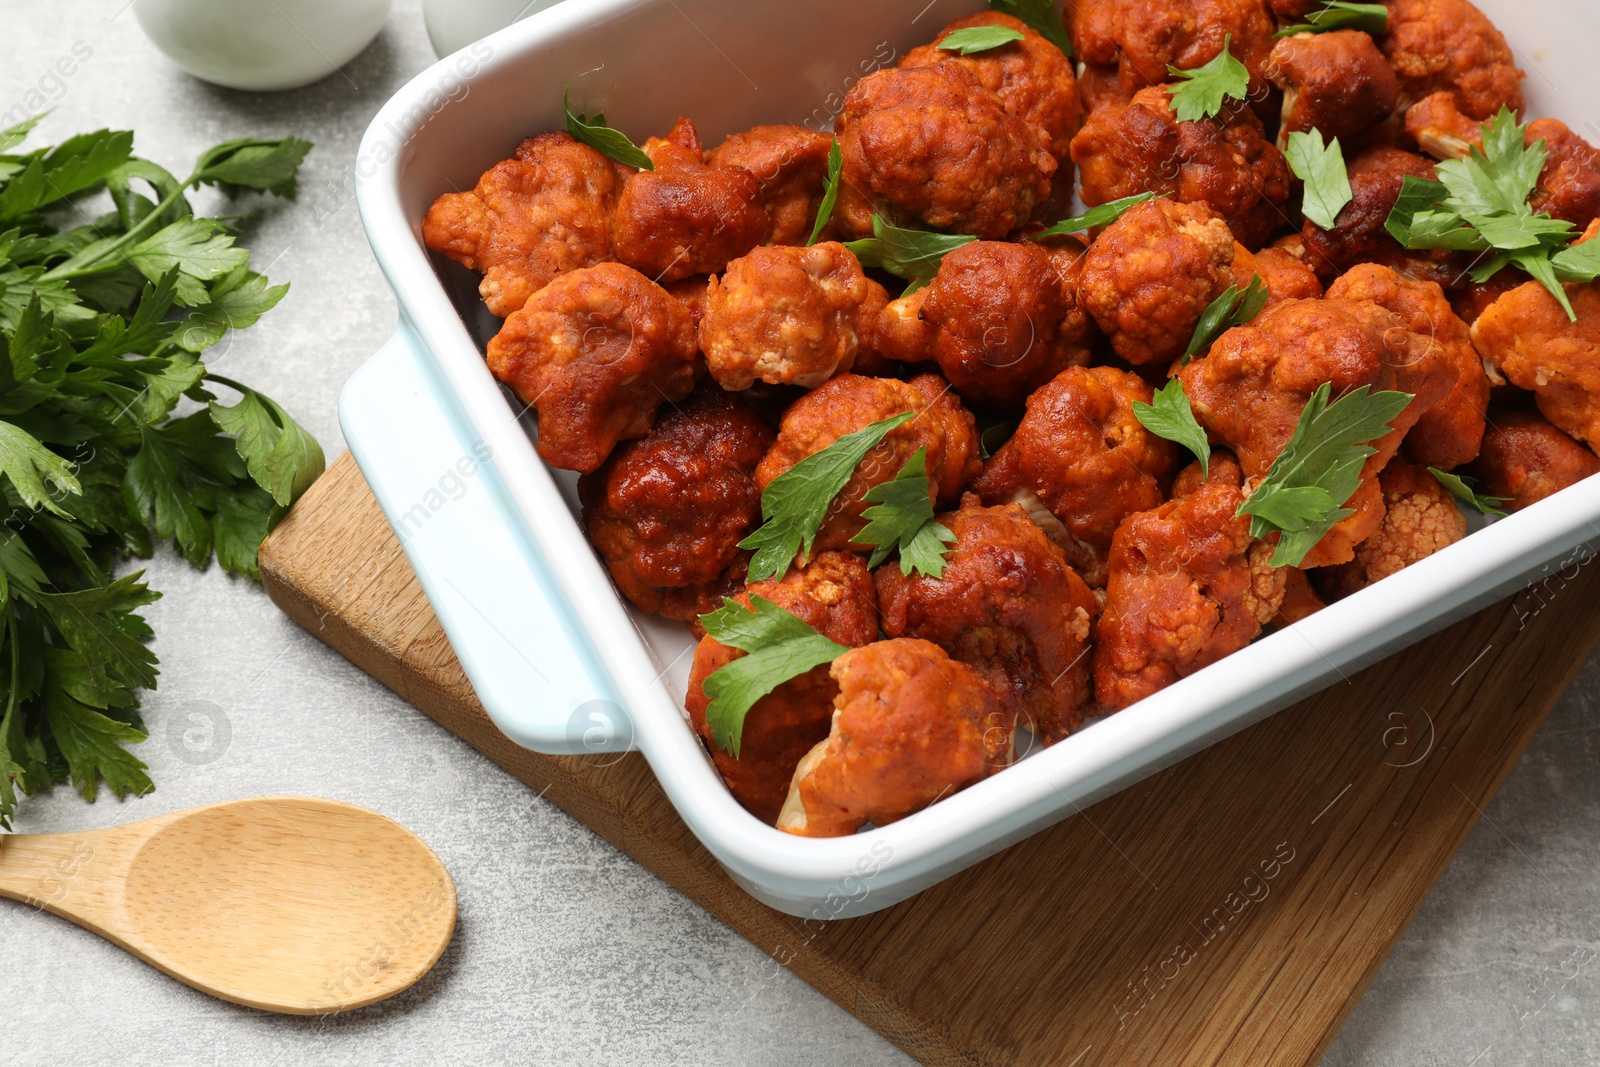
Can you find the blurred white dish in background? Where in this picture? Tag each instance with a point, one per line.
(261, 44)
(454, 24)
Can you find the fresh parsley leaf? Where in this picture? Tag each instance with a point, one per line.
(266, 165)
(1172, 417)
(830, 192)
(1417, 195)
(1040, 16)
(1319, 469)
(979, 39)
(37, 474)
(795, 502)
(910, 254)
(1234, 307)
(992, 437)
(1200, 93)
(902, 518)
(76, 165)
(282, 458)
(1465, 490)
(1340, 15)
(602, 138)
(779, 647)
(1578, 263)
(237, 300)
(1321, 167)
(1104, 215)
(195, 249)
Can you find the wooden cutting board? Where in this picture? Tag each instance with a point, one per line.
(1230, 910)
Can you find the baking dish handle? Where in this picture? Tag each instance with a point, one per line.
(507, 620)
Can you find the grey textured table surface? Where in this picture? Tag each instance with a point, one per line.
(567, 951)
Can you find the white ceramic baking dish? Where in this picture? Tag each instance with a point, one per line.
(562, 664)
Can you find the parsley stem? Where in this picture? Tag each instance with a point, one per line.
(96, 263)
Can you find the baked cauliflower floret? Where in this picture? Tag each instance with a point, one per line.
(1224, 163)
(595, 352)
(543, 212)
(1008, 606)
(1033, 78)
(993, 319)
(1358, 235)
(832, 594)
(667, 511)
(1189, 585)
(850, 402)
(788, 315)
(791, 163)
(1420, 517)
(1449, 433)
(1080, 452)
(1149, 276)
(931, 147)
(1450, 44)
(1525, 459)
(1141, 37)
(1528, 337)
(1286, 275)
(1569, 184)
(910, 725)
(1248, 391)
(684, 217)
(1336, 82)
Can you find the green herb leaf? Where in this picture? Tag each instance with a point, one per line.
(1040, 16)
(1303, 495)
(902, 518)
(1233, 308)
(911, 254)
(795, 502)
(602, 138)
(830, 192)
(1321, 167)
(1465, 490)
(1417, 195)
(1200, 93)
(979, 39)
(282, 458)
(993, 437)
(37, 474)
(270, 166)
(1171, 417)
(780, 646)
(1578, 263)
(195, 249)
(1340, 15)
(1104, 215)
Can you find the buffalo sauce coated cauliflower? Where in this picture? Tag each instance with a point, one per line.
(1525, 459)
(1449, 433)
(1033, 79)
(1527, 336)
(541, 213)
(685, 217)
(788, 315)
(667, 511)
(1420, 517)
(595, 352)
(1149, 276)
(833, 595)
(995, 319)
(1140, 37)
(1250, 389)
(791, 165)
(1449, 44)
(1286, 276)
(1082, 454)
(1008, 606)
(1225, 162)
(1336, 82)
(1189, 585)
(850, 402)
(932, 147)
(910, 725)
(1358, 235)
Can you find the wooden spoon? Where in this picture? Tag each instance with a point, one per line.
(287, 904)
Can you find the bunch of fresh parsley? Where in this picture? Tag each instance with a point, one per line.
(111, 437)
(1480, 204)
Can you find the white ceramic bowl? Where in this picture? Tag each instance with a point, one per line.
(261, 44)
(559, 660)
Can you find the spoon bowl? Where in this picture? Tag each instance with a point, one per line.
(287, 904)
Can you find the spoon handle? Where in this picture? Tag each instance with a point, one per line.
(60, 873)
